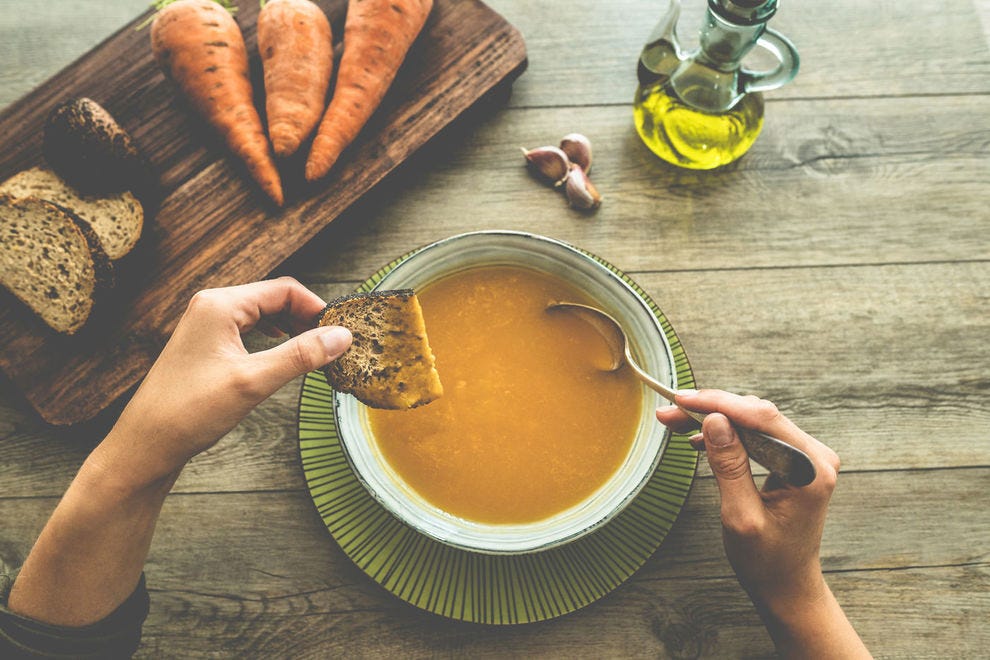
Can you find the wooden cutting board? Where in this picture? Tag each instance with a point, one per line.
(213, 226)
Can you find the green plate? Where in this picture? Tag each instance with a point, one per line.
(482, 588)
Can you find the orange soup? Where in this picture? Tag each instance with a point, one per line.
(527, 426)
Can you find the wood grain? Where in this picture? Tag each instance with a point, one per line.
(814, 190)
(675, 618)
(586, 50)
(869, 528)
(878, 367)
(850, 245)
(848, 48)
(213, 228)
(289, 591)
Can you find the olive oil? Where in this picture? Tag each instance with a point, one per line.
(691, 138)
(701, 109)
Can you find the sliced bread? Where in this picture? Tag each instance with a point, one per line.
(51, 261)
(389, 364)
(117, 219)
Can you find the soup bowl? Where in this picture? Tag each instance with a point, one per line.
(606, 288)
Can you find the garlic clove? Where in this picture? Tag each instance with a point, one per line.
(581, 193)
(578, 150)
(549, 163)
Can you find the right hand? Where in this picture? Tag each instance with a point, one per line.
(772, 536)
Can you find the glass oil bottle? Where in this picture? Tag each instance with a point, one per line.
(702, 109)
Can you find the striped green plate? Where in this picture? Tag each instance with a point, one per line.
(482, 588)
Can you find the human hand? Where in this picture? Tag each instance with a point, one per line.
(772, 536)
(205, 381)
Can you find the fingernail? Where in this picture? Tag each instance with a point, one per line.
(688, 392)
(666, 409)
(335, 341)
(697, 441)
(720, 435)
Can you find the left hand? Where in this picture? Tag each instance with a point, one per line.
(205, 381)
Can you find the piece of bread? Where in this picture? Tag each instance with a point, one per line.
(116, 219)
(91, 151)
(52, 261)
(389, 364)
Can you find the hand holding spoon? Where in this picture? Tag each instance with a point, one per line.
(786, 461)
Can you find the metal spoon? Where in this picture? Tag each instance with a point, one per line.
(784, 460)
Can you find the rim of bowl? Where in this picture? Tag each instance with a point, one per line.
(405, 504)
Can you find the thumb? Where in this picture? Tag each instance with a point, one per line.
(299, 355)
(730, 463)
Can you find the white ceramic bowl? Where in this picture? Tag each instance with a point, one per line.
(612, 294)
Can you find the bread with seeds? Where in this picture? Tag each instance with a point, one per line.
(92, 152)
(390, 363)
(51, 261)
(116, 218)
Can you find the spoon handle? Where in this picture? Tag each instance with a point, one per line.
(784, 460)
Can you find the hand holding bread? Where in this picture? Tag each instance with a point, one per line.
(205, 381)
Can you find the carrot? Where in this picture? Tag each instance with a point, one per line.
(377, 36)
(296, 47)
(198, 44)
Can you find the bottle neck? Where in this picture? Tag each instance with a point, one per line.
(724, 44)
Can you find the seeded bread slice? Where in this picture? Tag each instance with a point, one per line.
(116, 218)
(52, 261)
(389, 364)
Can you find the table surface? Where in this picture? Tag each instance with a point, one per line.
(841, 269)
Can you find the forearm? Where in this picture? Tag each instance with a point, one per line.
(811, 627)
(89, 557)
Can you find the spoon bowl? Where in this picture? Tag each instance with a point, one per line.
(789, 463)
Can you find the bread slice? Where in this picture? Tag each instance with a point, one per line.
(389, 364)
(117, 218)
(52, 261)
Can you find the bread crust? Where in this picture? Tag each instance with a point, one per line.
(89, 149)
(106, 277)
(390, 364)
(117, 218)
(87, 244)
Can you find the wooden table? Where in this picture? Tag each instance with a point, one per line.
(842, 269)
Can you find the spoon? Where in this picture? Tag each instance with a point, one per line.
(784, 460)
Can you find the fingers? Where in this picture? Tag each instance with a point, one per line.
(269, 370)
(697, 441)
(293, 304)
(742, 505)
(676, 419)
(762, 415)
(750, 412)
(729, 462)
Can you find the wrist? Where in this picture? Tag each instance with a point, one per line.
(124, 467)
(788, 605)
(795, 614)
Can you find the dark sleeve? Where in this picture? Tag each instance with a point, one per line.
(116, 636)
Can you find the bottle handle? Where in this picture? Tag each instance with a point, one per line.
(787, 67)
